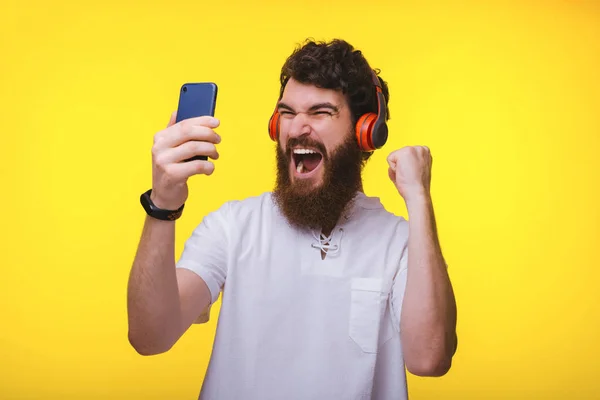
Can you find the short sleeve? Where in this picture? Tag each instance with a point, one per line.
(205, 252)
(398, 289)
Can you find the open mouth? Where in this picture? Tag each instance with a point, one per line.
(306, 160)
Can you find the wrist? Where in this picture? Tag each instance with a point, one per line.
(418, 200)
(160, 210)
(162, 203)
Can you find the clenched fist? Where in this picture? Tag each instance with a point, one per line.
(179, 142)
(410, 170)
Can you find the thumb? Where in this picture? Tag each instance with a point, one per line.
(392, 159)
(392, 174)
(172, 119)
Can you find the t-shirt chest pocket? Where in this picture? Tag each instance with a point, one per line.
(368, 327)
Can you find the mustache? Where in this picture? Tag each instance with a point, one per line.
(305, 142)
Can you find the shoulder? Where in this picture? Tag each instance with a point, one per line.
(262, 202)
(238, 211)
(236, 214)
(373, 215)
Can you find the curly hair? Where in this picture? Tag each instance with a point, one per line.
(336, 65)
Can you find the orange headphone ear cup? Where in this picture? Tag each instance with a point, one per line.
(371, 128)
(274, 126)
(364, 131)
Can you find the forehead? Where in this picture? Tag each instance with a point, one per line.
(302, 96)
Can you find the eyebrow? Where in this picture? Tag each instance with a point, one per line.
(314, 107)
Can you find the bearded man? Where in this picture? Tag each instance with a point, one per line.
(325, 294)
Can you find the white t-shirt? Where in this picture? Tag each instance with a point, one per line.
(294, 326)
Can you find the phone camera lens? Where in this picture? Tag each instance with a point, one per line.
(185, 89)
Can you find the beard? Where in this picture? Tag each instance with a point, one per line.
(318, 207)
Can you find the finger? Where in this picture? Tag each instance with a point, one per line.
(392, 163)
(176, 137)
(159, 136)
(392, 174)
(188, 150)
(205, 120)
(182, 171)
(391, 159)
(172, 119)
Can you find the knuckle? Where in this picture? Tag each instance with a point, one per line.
(160, 136)
(157, 155)
(161, 162)
(169, 172)
(186, 129)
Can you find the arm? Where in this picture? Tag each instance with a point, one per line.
(428, 316)
(162, 302)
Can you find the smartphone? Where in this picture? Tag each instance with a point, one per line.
(197, 100)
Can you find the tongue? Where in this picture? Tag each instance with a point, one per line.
(311, 161)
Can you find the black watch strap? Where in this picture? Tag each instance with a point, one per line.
(159, 213)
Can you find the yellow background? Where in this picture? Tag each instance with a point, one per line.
(506, 95)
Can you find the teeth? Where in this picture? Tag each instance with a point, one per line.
(300, 167)
(304, 151)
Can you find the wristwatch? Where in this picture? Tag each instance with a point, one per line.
(159, 213)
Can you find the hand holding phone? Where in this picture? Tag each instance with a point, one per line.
(183, 148)
(197, 100)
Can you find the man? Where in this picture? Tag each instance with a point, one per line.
(325, 295)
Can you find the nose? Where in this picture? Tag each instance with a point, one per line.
(298, 126)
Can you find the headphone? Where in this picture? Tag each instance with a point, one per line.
(371, 128)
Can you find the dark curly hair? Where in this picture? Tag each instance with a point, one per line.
(336, 65)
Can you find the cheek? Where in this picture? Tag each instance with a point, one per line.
(286, 124)
(333, 143)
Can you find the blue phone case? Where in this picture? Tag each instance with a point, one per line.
(197, 100)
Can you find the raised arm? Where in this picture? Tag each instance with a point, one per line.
(162, 301)
(428, 317)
